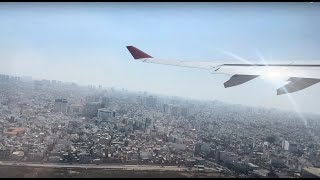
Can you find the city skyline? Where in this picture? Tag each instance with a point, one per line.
(85, 43)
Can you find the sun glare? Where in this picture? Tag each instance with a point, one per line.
(274, 75)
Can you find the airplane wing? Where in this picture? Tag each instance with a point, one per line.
(300, 74)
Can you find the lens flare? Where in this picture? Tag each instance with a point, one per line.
(274, 75)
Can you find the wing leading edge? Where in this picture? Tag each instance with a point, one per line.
(300, 75)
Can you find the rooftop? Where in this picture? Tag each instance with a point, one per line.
(313, 170)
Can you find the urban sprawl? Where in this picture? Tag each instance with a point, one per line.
(49, 121)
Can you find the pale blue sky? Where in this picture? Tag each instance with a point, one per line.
(85, 43)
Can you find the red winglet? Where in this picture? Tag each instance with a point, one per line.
(137, 53)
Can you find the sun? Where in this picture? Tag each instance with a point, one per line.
(275, 76)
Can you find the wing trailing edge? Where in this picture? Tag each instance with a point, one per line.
(296, 84)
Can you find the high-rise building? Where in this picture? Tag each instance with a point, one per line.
(61, 105)
(291, 147)
(105, 115)
(91, 109)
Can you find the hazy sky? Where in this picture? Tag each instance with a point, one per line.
(85, 43)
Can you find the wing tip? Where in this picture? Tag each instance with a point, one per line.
(137, 53)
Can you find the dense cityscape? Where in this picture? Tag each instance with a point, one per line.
(49, 121)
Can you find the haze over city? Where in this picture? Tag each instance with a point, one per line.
(84, 92)
(85, 43)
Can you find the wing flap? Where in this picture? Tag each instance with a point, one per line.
(238, 79)
(296, 84)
